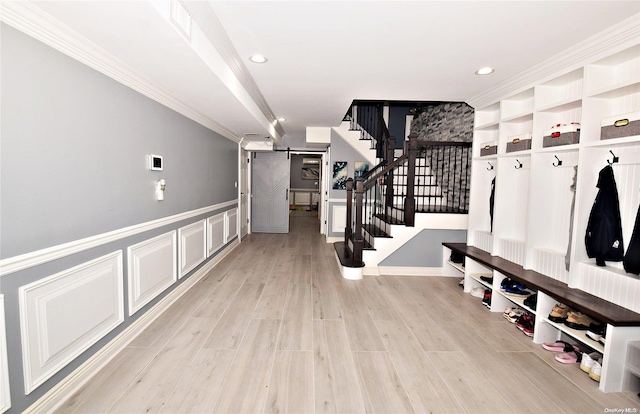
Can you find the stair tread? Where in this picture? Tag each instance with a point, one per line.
(389, 219)
(345, 256)
(375, 231)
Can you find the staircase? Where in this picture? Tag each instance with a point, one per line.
(397, 199)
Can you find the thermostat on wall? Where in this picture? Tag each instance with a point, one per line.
(155, 162)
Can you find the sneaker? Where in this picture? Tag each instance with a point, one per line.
(586, 364)
(525, 324)
(531, 301)
(461, 283)
(578, 320)
(515, 314)
(596, 371)
(597, 332)
(486, 298)
(559, 313)
(477, 292)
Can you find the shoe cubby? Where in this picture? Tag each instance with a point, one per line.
(501, 299)
(544, 195)
(632, 368)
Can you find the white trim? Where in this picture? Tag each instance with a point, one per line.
(333, 239)
(614, 39)
(138, 269)
(410, 271)
(349, 273)
(36, 299)
(38, 257)
(57, 395)
(34, 22)
(5, 394)
(192, 246)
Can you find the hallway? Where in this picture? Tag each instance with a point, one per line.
(274, 328)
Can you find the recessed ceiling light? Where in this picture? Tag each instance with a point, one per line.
(485, 71)
(282, 119)
(258, 59)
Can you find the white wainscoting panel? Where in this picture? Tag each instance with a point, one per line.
(231, 227)
(215, 233)
(62, 315)
(610, 284)
(5, 395)
(192, 241)
(512, 250)
(152, 268)
(339, 218)
(484, 241)
(550, 263)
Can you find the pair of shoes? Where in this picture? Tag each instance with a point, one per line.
(461, 283)
(486, 298)
(597, 332)
(477, 292)
(578, 320)
(525, 323)
(559, 313)
(512, 287)
(569, 357)
(559, 346)
(591, 364)
(531, 301)
(512, 314)
(488, 279)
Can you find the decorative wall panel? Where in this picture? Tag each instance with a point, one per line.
(152, 268)
(215, 233)
(62, 315)
(339, 215)
(231, 228)
(193, 246)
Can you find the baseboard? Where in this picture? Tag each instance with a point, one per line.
(334, 239)
(409, 271)
(57, 395)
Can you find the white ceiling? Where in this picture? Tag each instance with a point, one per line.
(324, 54)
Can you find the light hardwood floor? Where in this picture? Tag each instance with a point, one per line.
(275, 329)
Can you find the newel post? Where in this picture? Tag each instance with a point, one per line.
(348, 230)
(409, 201)
(358, 241)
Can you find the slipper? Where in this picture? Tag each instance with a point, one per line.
(569, 357)
(559, 346)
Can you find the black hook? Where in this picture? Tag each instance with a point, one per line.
(490, 166)
(517, 167)
(615, 159)
(559, 162)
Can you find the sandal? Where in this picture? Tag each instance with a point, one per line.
(570, 357)
(559, 346)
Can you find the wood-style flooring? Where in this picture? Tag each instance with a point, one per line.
(275, 329)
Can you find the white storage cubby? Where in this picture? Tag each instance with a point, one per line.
(533, 223)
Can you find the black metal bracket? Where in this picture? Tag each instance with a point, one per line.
(558, 163)
(615, 159)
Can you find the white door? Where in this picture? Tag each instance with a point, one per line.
(244, 193)
(270, 175)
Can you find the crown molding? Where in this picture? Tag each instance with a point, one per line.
(611, 40)
(31, 20)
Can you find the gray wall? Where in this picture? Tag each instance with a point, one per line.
(340, 151)
(74, 148)
(296, 171)
(73, 165)
(424, 249)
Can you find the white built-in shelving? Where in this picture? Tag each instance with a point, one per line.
(533, 224)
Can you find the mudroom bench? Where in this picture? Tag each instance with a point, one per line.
(623, 325)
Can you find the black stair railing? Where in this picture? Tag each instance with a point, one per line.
(368, 118)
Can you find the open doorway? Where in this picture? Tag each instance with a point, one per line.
(305, 186)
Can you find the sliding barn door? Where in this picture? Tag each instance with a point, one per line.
(270, 192)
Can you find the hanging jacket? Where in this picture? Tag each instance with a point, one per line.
(603, 238)
(492, 199)
(631, 260)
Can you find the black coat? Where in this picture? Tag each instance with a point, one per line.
(604, 229)
(631, 260)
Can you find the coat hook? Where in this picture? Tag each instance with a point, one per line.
(559, 162)
(615, 159)
(490, 166)
(517, 167)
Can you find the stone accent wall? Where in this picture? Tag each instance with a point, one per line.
(449, 122)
